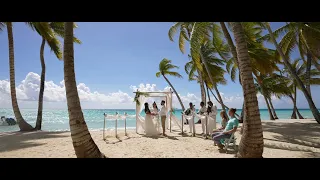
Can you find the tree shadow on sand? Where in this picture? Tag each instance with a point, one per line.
(20, 140)
(303, 137)
(159, 137)
(114, 140)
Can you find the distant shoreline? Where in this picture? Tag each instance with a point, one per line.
(135, 109)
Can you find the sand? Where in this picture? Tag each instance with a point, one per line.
(282, 139)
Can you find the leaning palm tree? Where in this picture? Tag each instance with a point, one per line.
(23, 125)
(302, 35)
(194, 75)
(165, 68)
(214, 73)
(199, 40)
(2, 25)
(185, 29)
(271, 85)
(262, 89)
(251, 144)
(83, 143)
(300, 84)
(49, 32)
(300, 69)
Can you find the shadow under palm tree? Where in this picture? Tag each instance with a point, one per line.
(20, 140)
(296, 136)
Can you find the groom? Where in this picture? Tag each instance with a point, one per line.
(163, 114)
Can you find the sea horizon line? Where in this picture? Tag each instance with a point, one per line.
(134, 109)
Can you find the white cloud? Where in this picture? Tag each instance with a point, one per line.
(54, 96)
(28, 90)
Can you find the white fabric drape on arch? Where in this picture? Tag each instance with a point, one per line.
(169, 108)
(140, 120)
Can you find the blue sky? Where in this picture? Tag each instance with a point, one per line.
(111, 58)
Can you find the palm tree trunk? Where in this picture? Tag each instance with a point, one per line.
(295, 103)
(203, 93)
(273, 110)
(202, 89)
(300, 116)
(220, 102)
(315, 63)
(83, 143)
(293, 115)
(42, 80)
(269, 109)
(23, 125)
(219, 96)
(308, 69)
(292, 72)
(208, 92)
(174, 90)
(242, 113)
(251, 144)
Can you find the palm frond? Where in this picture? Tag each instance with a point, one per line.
(199, 34)
(301, 48)
(58, 28)
(164, 68)
(173, 30)
(158, 74)
(228, 65)
(2, 25)
(277, 33)
(182, 39)
(175, 74)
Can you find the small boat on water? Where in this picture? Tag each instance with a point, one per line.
(7, 121)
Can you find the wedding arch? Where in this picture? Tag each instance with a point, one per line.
(140, 99)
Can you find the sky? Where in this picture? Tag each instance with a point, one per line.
(113, 60)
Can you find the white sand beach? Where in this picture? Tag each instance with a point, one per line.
(282, 139)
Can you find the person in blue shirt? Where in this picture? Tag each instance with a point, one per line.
(230, 128)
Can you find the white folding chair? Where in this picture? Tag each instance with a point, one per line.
(229, 141)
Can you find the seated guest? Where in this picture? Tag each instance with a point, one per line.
(224, 119)
(201, 111)
(230, 128)
(189, 111)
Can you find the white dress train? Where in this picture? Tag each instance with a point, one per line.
(150, 127)
(212, 123)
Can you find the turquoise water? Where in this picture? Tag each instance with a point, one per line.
(58, 120)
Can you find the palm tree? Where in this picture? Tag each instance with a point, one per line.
(184, 35)
(49, 31)
(271, 85)
(165, 68)
(260, 87)
(191, 71)
(263, 60)
(213, 66)
(302, 35)
(199, 37)
(300, 84)
(300, 69)
(251, 144)
(83, 143)
(213, 73)
(23, 125)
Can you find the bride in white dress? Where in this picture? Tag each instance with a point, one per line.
(156, 119)
(212, 112)
(150, 128)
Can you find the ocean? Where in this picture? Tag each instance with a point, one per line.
(58, 120)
